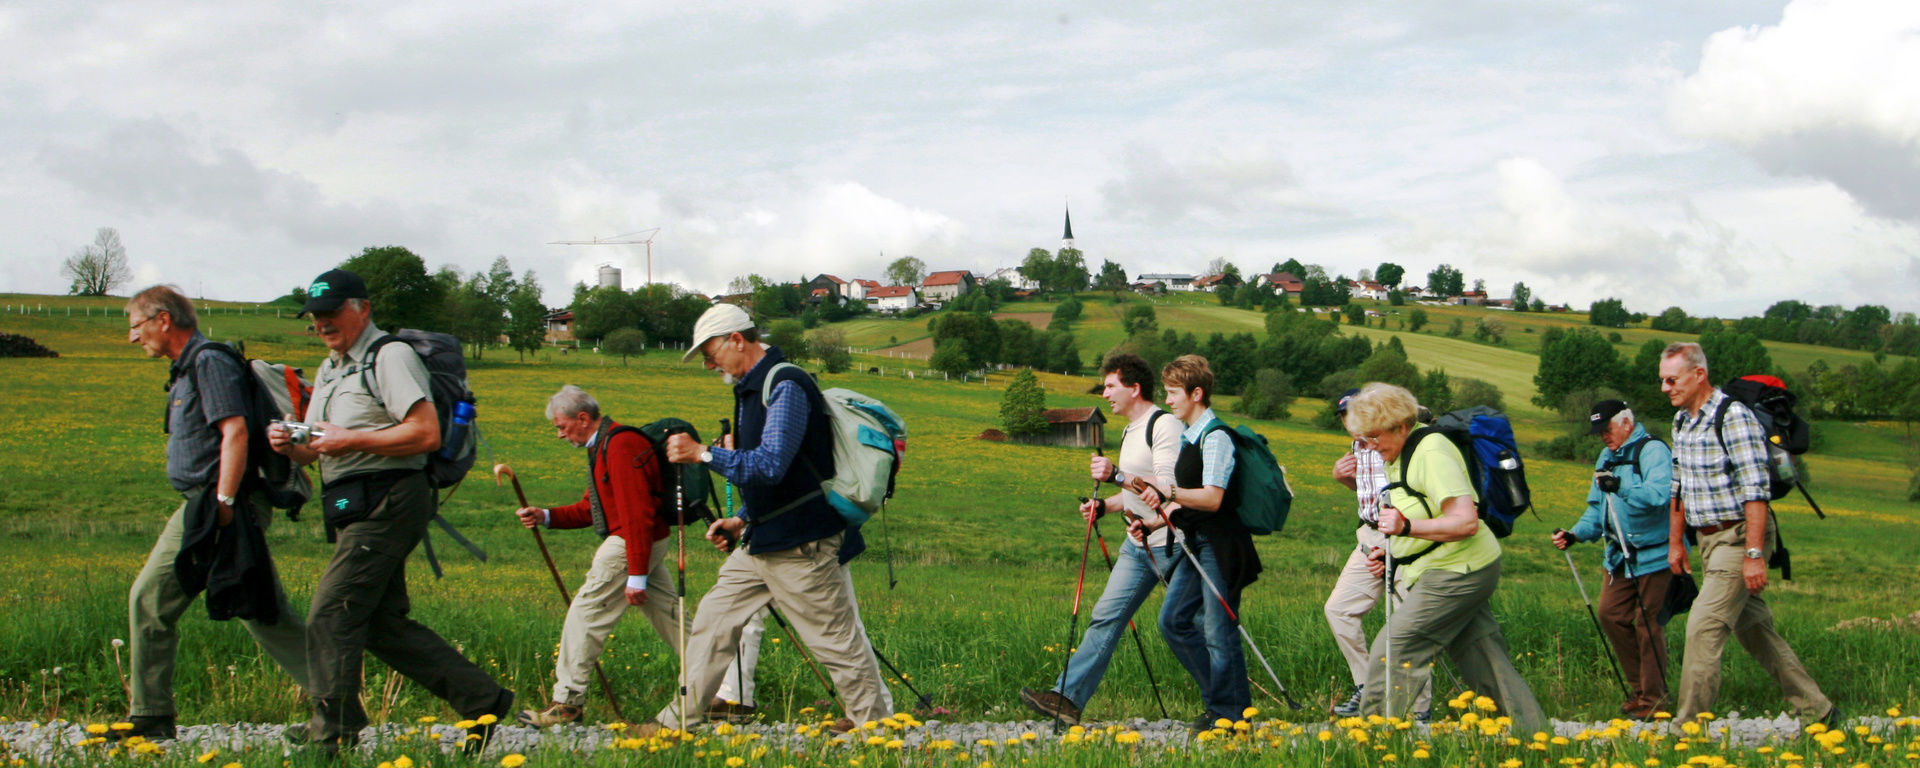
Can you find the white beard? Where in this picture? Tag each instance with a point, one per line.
(727, 378)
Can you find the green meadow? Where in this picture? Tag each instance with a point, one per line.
(982, 539)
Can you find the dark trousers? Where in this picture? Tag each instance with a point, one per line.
(1629, 607)
(361, 606)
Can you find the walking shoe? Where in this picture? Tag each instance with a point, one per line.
(1424, 716)
(1834, 719)
(1207, 721)
(149, 727)
(842, 725)
(644, 730)
(481, 733)
(299, 735)
(1350, 707)
(1051, 704)
(556, 713)
(730, 711)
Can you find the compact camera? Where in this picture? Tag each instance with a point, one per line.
(299, 432)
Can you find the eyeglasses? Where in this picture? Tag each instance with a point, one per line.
(149, 319)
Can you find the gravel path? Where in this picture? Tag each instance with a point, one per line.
(41, 741)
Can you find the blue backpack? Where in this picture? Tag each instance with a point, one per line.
(1485, 439)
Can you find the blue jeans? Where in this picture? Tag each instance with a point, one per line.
(1210, 650)
(1133, 578)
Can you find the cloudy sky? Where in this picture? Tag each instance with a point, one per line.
(1718, 155)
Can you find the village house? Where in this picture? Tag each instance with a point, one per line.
(1014, 277)
(1073, 428)
(1283, 281)
(1171, 281)
(559, 326)
(946, 286)
(1471, 298)
(1207, 283)
(1367, 289)
(825, 287)
(856, 289)
(893, 298)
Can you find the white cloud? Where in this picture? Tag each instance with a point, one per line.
(1832, 91)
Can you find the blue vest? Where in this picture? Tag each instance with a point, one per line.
(813, 519)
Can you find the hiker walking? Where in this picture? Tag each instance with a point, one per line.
(629, 567)
(373, 425)
(1219, 559)
(1148, 450)
(791, 543)
(207, 447)
(1720, 494)
(1447, 563)
(1627, 508)
(1358, 589)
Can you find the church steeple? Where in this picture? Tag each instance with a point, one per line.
(1066, 237)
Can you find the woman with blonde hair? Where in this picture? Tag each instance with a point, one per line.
(1447, 564)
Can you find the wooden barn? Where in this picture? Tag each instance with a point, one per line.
(1074, 428)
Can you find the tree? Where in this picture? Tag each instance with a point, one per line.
(1389, 274)
(98, 268)
(1066, 312)
(1355, 314)
(1455, 328)
(978, 334)
(1539, 306)
(1140, 318)
(402, 293)
(1070, 270)
(1490, 329)
(950, 357)
(1522, 295)
(1573, 360)
(625, 342)
(1436, 391)
(1113, 278)
(906, 270)
(790, 336)
(1731, 354)
(1270, 396)
(599, 311)
(1444, 280)
(1038, 266)
(1023, 408)
(1365, 276)
(1390, 365)
(527, 316)
(1472, 392)
(1608, 313)
(1480, 287)
(471, 315)
(830, 346)
(1417, 320)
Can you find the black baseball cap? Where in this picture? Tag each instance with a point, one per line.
(1603, 413)
(1340, 405)
(332, 289)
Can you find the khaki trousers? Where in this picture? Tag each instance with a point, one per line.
(808, 585)
(1450, 612)
(1628, 611)
(1354, 596)
(1725, 607)
(156, 603)
(597, 608)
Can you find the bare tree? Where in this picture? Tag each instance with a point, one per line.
(98, 268)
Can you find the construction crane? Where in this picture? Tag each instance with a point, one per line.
(642, 237)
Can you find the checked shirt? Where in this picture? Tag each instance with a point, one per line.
(1713, 483)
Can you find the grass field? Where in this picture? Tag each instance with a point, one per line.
(983, 538)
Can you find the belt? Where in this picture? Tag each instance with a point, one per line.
(1716, 528)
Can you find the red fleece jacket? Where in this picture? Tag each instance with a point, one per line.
(626, 475)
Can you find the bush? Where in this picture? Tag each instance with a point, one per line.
(15, 345)
(790, 336)
(1417, 320)
(1456, 328)
(1023, 409)
(830, 346)
(1468, 393)
(1490, 329)
(1270, 396)
(625, 342)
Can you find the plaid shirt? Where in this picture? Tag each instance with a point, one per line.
(1713, 483)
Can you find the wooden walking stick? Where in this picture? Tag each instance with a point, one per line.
(566, 598)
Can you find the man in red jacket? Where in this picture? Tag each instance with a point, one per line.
(628, 569)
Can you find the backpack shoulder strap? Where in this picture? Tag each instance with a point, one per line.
(1152, 419)
(766, 384)
(373, 356)
(1406, 461)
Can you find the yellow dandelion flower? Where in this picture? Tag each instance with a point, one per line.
(97, 728)
(1484, 703)
(403, 762)
(736, 761)
(1325, 736)
(207, 757)
(1250, 713)
(514, 760)
(1511, 762)
(487, 719)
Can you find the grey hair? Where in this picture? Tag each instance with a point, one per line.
(571, 400)
(1688, 351)
(168, 299)
(356, 304)
(1625, 417)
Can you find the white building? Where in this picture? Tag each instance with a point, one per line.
(893, 298)
(1173, 282)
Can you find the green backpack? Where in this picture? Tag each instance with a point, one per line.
(1258, 491)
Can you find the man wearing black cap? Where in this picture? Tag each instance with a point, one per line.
(373, 425)
(1628, 507)
(1357, 591)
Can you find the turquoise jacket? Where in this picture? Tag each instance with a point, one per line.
(1640, 514)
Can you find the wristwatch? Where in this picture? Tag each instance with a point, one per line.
(1753, 553)
(706, 457)
(223, 499)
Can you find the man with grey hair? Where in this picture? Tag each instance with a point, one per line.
(621, 503)
(1720, 494)
(1627, 507)
(206, 453)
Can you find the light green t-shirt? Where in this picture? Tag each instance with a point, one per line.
(1438, 471)
(342, 396)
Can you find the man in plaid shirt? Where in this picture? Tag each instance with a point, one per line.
(1720, 494)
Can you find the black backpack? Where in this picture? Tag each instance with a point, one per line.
(688, 483)
(284, 482)
(447, 382)
(1786, 434)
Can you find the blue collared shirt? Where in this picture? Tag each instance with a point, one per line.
(1216, 454)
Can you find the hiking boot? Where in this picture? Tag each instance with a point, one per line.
(149, 727)
(482, 732)
(730, 711)
(1051, 704)
(299, 735)
(556, 713)
(1424, 716)
(1350, 707)
(645, 730)
(1207, 721)
(842, 725)
(1833, 719)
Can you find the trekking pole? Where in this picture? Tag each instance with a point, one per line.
(1655, 633)
(832, 692)
(739, 658)
(566, 598)
(1608, 647)
(680, 577)
(926, 702)
(1131, 627)
(1235, 617)
(1073, 619)
(1386, 626)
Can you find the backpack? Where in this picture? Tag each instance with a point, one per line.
(1786, 434)
(1632, 458)
(679, 483)
(453, 402)
(1258, 491)
(868, 439)
(268, 391)
(1485, 439)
